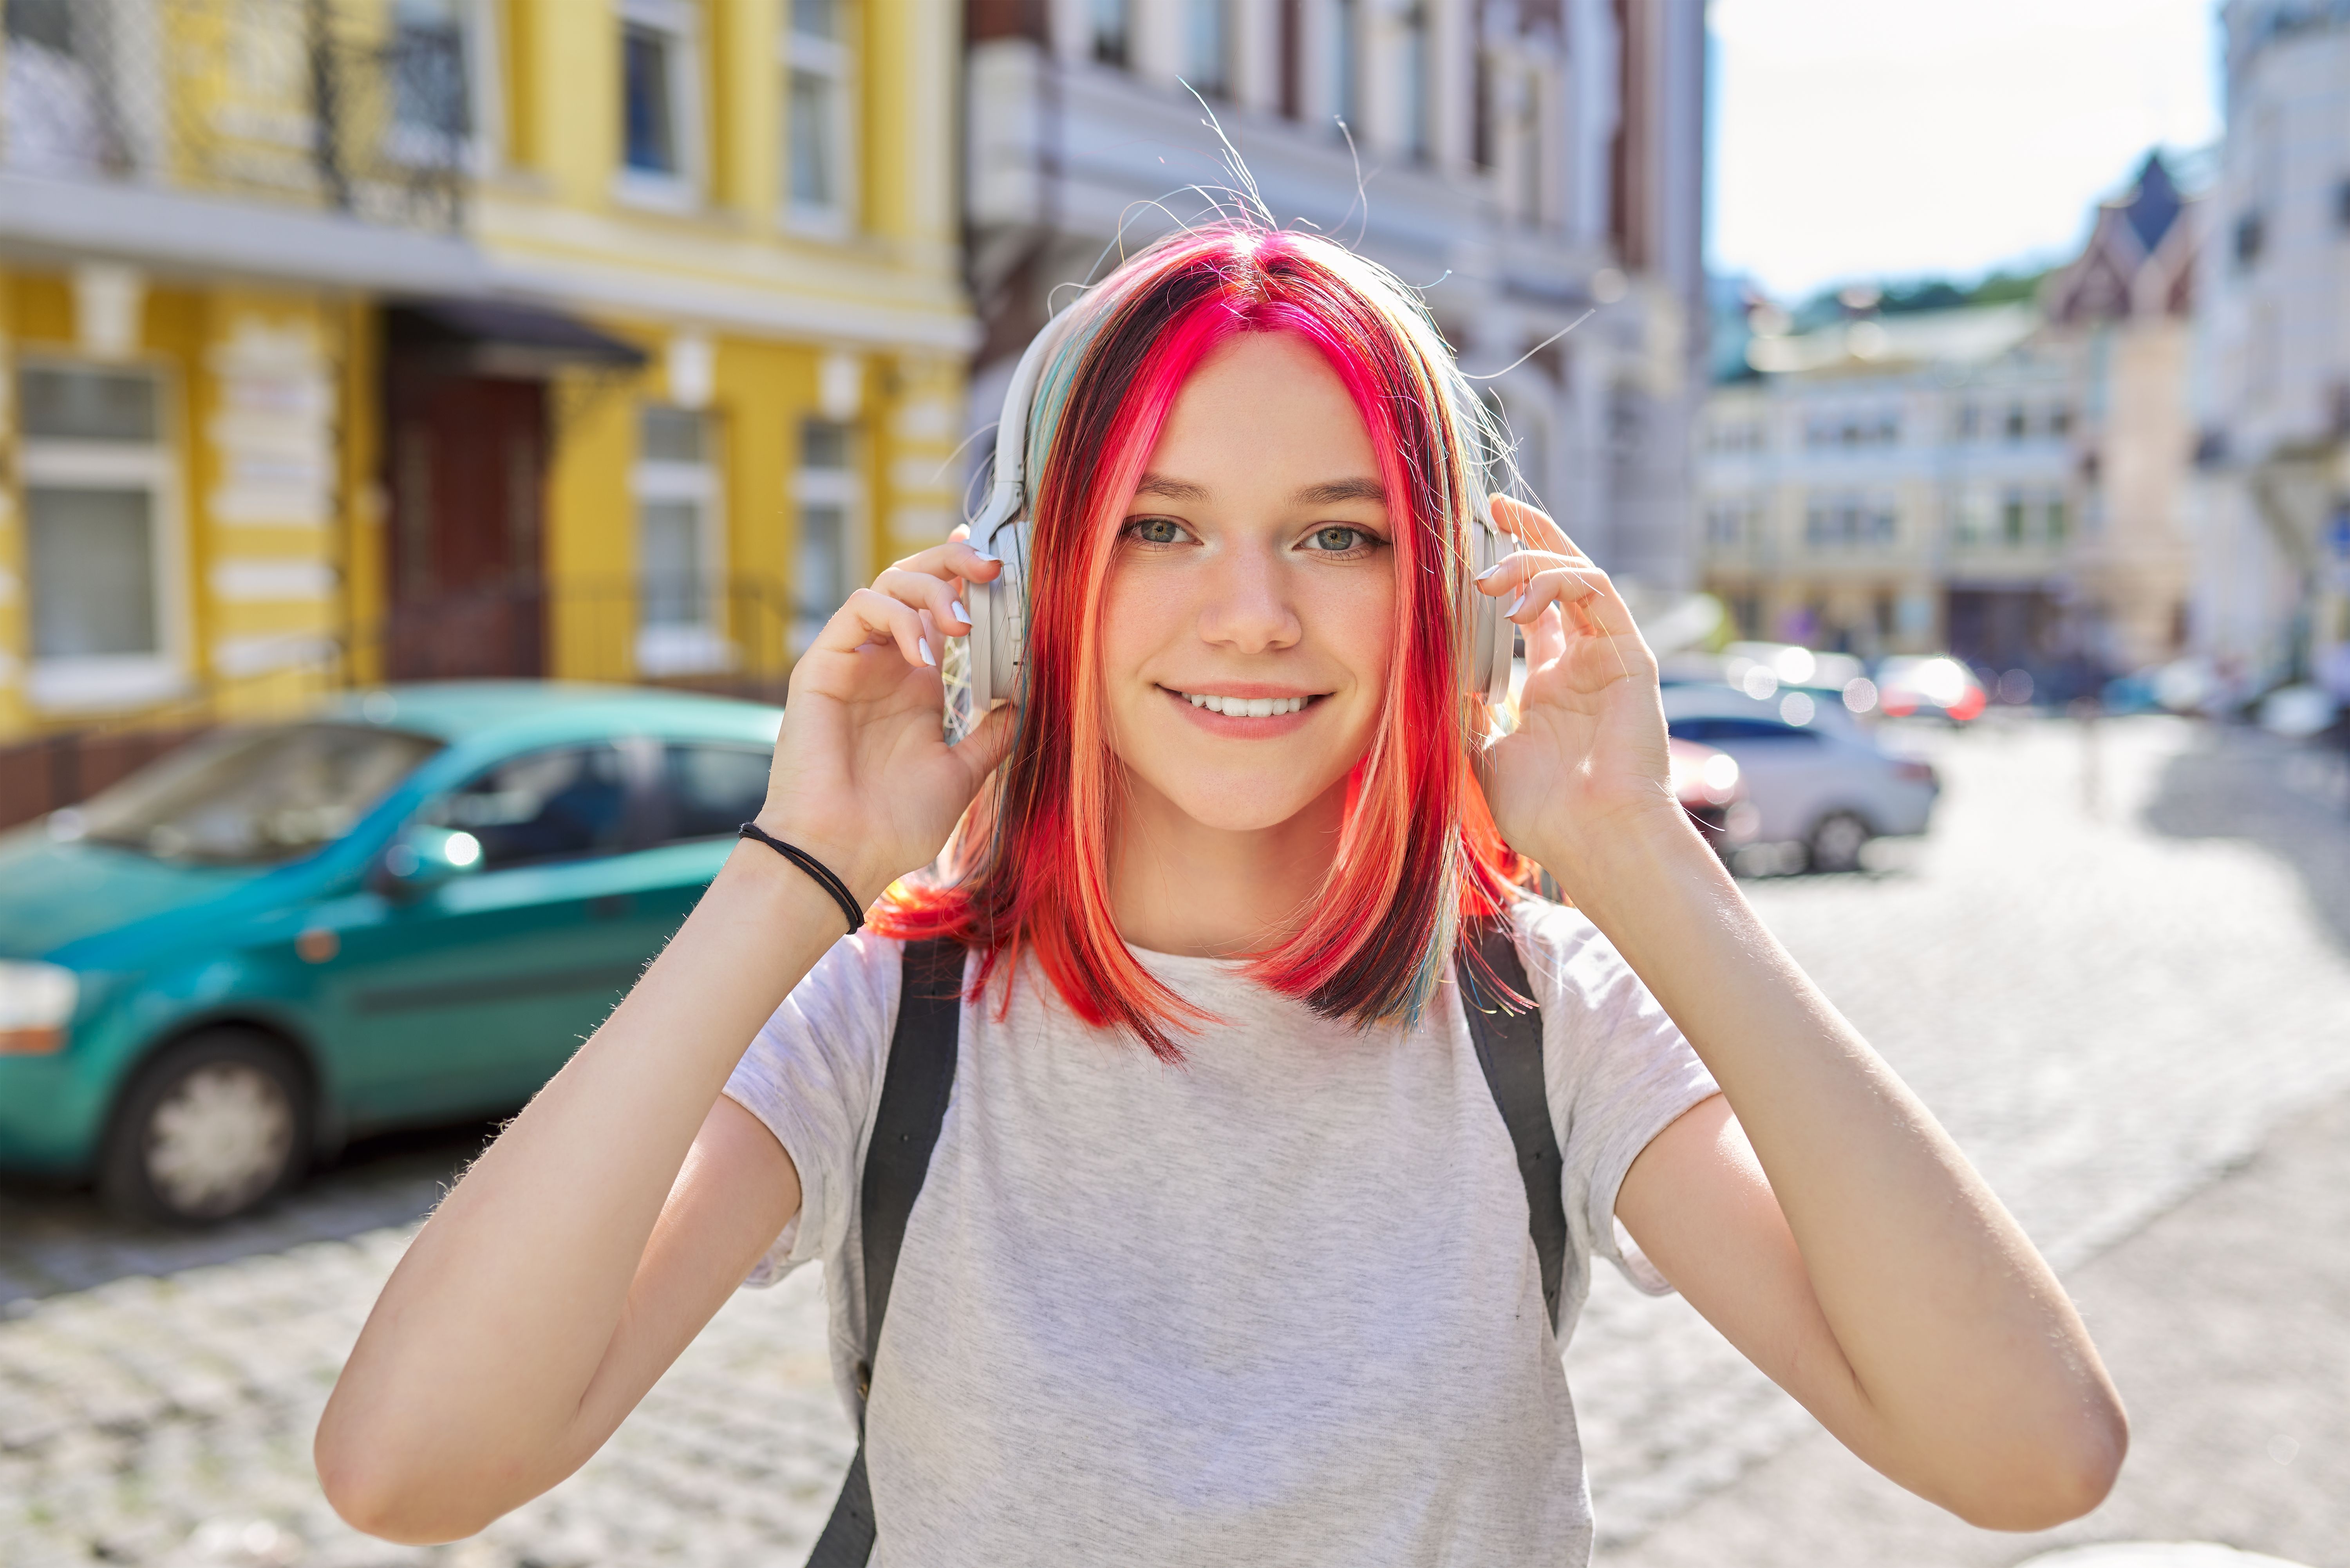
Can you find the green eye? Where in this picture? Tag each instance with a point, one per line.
(1339, 539)
(1159, 531)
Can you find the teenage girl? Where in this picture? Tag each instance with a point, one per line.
(1222, 1255)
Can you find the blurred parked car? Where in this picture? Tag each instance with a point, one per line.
(1932, 688)
(1705, 783)
(1812, 776)
(407, 910)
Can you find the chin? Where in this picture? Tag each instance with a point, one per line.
(1246, 803)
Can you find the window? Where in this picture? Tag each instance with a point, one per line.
(2057, 523)
(1207, 46)
(430, 103)
(828, 564)
(99, 487)
(1718, 731)
(818, 58)
(1112, 22)
(660, 107)
(2010, 518)
(1346, 60)
(1419, 111)
(550, 806)
(2019, 423)
(679, 545)
(59, 114)
(710, 790)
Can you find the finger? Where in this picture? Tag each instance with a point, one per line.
(869, 617)
(1584, 591)
(1532, 525)
(1513, 571)
(958, 557)
(989, 740)
(942, 596)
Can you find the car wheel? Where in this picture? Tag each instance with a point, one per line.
(1837, 842)
(209, 1128)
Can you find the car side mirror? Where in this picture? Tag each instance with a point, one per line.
(422, 857)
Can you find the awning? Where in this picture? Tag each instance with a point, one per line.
(503, 338)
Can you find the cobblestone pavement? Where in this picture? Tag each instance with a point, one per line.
(2109, 1006)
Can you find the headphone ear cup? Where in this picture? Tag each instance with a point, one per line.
(1491, 640)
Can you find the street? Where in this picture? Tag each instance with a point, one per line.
(2118, 970)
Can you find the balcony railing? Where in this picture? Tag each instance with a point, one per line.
(341, 106)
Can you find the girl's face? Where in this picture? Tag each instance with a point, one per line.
(1248, 619)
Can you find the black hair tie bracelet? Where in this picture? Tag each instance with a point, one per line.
(816, 868)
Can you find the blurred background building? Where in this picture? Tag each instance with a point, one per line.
(349, 339)
(1997, 472)
(2272, 350)
(1525, 161)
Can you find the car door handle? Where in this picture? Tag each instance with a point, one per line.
(611, 905)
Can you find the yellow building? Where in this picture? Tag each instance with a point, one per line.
(406, 339)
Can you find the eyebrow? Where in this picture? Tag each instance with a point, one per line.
(1328, 493)
(1337, 490)
(1172, 489)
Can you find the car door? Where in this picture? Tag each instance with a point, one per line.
(1784, 766)
(707, 789)
(468, 997)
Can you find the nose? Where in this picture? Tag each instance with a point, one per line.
(1248, 607)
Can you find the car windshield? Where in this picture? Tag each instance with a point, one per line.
(250, 797)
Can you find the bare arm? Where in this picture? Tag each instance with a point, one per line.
(591, 1242)
(1829, 1226)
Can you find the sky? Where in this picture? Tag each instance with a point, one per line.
(1892, 138)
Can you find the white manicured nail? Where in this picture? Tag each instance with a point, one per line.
(1487, 575)
(957, 607)
(1515, 605)
(923, 645)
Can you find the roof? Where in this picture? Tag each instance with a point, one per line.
(1973, 335)
(553, 710)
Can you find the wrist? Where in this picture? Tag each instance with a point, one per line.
(1602, 859)
(868, 876)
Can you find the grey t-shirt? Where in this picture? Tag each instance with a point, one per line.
(1275, 1305)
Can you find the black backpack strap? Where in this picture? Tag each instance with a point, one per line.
(915, 1088)
(1510, 1049)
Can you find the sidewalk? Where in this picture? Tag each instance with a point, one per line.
(2227, 1325)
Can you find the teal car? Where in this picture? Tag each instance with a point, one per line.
(410, 908)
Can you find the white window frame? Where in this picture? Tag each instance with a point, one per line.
(112, 682)
(695, 648)
(835, 58)
(845, 488)
(682, 191)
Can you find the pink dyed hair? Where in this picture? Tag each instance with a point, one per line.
(1418, 851)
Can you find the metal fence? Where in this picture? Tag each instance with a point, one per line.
(362, 107)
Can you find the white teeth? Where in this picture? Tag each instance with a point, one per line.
(1247, 707)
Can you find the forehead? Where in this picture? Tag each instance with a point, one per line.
(1264, 407)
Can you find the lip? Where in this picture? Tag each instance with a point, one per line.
(1269, 727)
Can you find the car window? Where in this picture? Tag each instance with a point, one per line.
(546, 805)
(711, 789)
(250, 797)
(1716, 730)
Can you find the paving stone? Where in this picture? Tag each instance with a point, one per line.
(2108, 1005)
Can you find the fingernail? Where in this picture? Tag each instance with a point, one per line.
(984, 555)
(956, 605)
(1487, 574)
(923, 645)
(1516, 605)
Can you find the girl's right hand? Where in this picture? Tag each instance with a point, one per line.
(863, 778)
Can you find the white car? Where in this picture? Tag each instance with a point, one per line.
(1813, 776)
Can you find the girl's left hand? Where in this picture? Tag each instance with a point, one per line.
(1588, 755)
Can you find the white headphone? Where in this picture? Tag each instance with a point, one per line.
(982, 669)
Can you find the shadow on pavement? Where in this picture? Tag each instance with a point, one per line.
(55, 1240)
(2291, 800)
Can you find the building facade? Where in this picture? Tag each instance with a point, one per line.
(2004, 482)
(405, 339)
(2271, 514)
(1522, 163)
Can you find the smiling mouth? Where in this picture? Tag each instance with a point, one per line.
(1243, 707)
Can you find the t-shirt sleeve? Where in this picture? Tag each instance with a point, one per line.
(812, 1074)
(1617, 1069)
